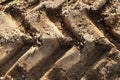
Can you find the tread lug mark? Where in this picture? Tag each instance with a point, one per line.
(105, 68)
(43, 52)
(29, 63)
(10, 40)
(111, 18)
(86, 32)
(58, 71)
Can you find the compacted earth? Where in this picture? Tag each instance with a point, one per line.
(59, 39)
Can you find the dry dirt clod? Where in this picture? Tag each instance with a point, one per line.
(98, 4)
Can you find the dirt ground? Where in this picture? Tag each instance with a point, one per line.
(59, 39)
